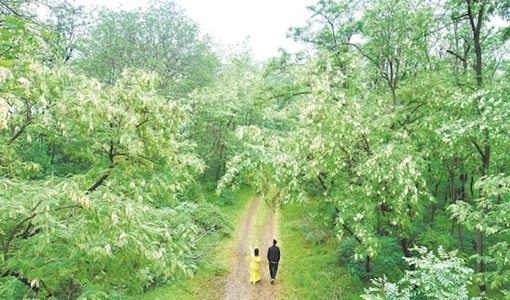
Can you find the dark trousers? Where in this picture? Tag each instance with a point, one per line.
(273, 267)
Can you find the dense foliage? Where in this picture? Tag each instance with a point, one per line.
(160, 39)
(394, 124)
(443, 277)
(398, 121)
(92, 177)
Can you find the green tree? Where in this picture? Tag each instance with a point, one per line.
(109, 222)
(444, 276)
(218, 110)
(159, 38)
(392, 120)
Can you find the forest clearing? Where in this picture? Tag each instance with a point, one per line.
(142, 157)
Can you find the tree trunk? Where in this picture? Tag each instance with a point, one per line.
(471, 187)
(220, 163)
(479, 250)
(479, 234)
(476, 20)
(405, 249)
(453, 194)
(367, 258)
(367, 264)
(52, 153)
(462, 197)
(433, 214)
(459, 235)
(379, 221)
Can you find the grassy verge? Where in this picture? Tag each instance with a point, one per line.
(208, 282)
(309, 271)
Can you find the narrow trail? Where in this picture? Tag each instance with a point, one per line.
(258, 228)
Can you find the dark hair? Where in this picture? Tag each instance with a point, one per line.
(256, 251)
(274, 242)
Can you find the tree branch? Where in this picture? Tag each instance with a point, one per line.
(456, 55)
(352, 233)
(479, 149)
(19, 132)
(99, 182)
(365, 55)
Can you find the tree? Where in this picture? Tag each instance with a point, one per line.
(107, 219)
(158, 39)
(218, 110)
(436, 277)
(490, 216)
(477, 14)
(392, 120)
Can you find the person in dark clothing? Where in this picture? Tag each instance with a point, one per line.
(273, 255)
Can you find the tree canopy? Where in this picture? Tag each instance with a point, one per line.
(395, 122)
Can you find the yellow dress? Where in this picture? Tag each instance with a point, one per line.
(255, 269)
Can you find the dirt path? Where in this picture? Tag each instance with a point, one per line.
(258, 228)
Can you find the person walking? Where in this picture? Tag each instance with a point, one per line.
(255, 267)
(273, 256)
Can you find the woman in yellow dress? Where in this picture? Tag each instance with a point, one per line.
(255, 267)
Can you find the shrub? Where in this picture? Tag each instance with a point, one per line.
(209, 186)
(318, 227)
(227, 197)
(388, 261)
(209, 217)
(193, 193)
(442, 276)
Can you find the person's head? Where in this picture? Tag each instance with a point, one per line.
(256, 252)
(274, 242)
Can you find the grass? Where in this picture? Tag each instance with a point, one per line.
(309, 271)
(208, 282)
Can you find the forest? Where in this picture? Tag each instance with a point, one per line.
(137, 159)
